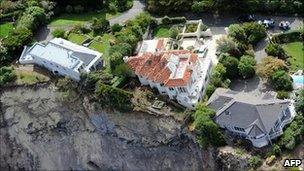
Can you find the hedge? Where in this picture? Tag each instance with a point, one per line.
(173, 20)
(291, 36)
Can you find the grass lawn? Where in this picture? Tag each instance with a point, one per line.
(5, 29)
(296, 50)
(162, 31)
(72, 19)
(76, 38)
(29, 77)
(102, 45)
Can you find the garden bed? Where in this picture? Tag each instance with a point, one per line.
(191, 28)
(296, 51)
(162, 31)
(77, 38)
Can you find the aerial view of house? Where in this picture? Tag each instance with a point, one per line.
(180, 74)
(62, 57)
(256, 118)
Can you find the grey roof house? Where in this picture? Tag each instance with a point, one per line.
(256, 118)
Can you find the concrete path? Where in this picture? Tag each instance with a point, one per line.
(138, 7)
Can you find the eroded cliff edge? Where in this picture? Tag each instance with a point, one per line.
(41, 130)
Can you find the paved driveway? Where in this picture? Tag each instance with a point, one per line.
(138, 7)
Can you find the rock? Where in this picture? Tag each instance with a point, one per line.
(270, 160)
(56, 117)
(229, 160)
(52, 134)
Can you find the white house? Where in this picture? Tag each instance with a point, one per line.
(62, 57)
(180, 74)
(256, 118)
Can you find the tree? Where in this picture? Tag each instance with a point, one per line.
(273, 49)
(246, 66)
(100, 25)
(270, 65)
(32, 18)
(59, 33)
(202, 6)
(300, 102)
(116, 28)
(281, 81)
(291, 136)
(254, 32)
(227, 45)
(218, 77)
(122, 70)
(208, 132)
(237, 32)
(17, 39)
(231, 65)
(124, 49)
(7, 74)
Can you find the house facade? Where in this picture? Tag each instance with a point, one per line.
(62, 57)
(256, 118)
(180, 74)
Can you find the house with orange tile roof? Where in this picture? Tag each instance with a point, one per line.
(180, 74)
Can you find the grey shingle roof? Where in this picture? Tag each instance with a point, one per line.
(255, 131)
(246, 110)
(84, 57)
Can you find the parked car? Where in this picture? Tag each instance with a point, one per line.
(268, 23)
(284, 25)
(246, 18)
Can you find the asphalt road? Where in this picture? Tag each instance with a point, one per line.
(138, 7)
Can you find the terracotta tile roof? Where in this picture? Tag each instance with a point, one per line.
(154, 67)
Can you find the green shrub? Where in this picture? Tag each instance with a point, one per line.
(300, 102)
(210, 90)
(231, 65)
(7, 74)
(208, 132)
(287, 37)
(246, 66)
(281, 81)
(100, 26)
(255, 32)
(116, 28)
(276, 150)
(59, 33)
(17, 39)
(275, 50)
(282, 95)
(255, 162)
(174, 20)
(292, 134)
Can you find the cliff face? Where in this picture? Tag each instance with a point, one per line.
(40, 130)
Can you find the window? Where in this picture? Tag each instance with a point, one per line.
(239, 129)
(182, 90)
(171, 89)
